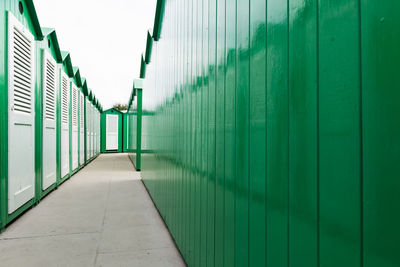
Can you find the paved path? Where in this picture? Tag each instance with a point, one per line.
(102, 216)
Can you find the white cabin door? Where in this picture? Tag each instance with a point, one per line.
(91, 131)
(74, 127)
(112, 132)
(81, 129)
(65, 86)
(49, 121)
(97, 132)
(87, 130)
(21, 115)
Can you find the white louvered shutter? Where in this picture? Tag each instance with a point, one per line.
(81, 114)
(87, 130)
(21, 114)
(74, 105)
(74, 126)
(81, 129)
(64, 99)
(65, 88)
(49, 120)
(49, 73)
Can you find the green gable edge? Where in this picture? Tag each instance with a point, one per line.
(54, 40)
(66, 57)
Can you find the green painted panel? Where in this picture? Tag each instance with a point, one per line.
(39, 54)
(303, 138)
(277, 134)
(210, 128)
(198, 132)
(192, 133)
(220, 136)
(139, 130)
(339, 134)
(242, 134)
(380, 24)
(257, 133)
(229, 133)
(204, 138)
(58, 125)
(125, 119)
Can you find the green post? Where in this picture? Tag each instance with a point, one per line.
(58, 132)
(38, 125)
(139, 130)
(138, 84)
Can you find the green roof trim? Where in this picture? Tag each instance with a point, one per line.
(110, 109)
(149, 47)
(97, 104)
(142, 68)
(66, 57)
(84, 86)
(131, 98)
(134, 93)
(158, 19)
(77, 76)
(54, 40)
(34, 19)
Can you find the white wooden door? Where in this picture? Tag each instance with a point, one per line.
(91, 130)
(49, 120)
(81, 129)
(94, 131)
(87, 129)
(97, 132)
(21, 115)
(65, 88)
(112, 132)
(74, 127)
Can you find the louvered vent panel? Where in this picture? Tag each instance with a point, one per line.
(74, 107)
(50, 111)
(64, 104)
(22, 60)
(82, 118)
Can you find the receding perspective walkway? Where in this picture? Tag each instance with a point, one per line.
(102, 216)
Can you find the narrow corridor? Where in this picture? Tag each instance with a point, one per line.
(102, 216)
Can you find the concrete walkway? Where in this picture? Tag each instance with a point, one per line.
(102, 216)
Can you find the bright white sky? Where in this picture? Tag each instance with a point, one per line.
(105, 38)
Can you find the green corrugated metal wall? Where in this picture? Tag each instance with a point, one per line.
(276, 131)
